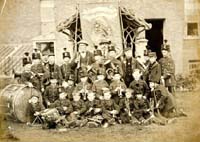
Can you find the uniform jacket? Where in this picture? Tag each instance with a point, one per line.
(168, 71)
(79, 106)
(167, 100)
(139, 87)
(51, 94)
(59, 104)
(154, 73)
(55, 72)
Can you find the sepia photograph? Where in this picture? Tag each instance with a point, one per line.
(99, 70)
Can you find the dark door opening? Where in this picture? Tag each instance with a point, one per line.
(155, 36)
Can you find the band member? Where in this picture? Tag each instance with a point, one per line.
(27, 75)
(109, 109)
(40, 73)
(112, 64)
(165, 102)
(54, 69)
(84, 86)
(154, 70)
(117, 87)
(68, 86)
(168, 69)
(76, 118)
(138, 85)
(103, 46)
(63, 104)
(66, 67)
(98, 64)
(26, 59)
(129, 64)
(126, 107)
(51, 93)
(93, 105)
(100, 83)
(45, 56)
(84, 58)
(99, 61)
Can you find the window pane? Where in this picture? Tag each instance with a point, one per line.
(192, 29)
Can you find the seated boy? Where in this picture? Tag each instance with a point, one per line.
(84, 86)
(126, 106)
(117, 87)
(94, 110)
(76, 118)
(51, 93)
(63, 104)
(165, 103)
(100, 84)
(109, 109)
(138, 85)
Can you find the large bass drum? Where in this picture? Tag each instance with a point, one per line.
(14, 99)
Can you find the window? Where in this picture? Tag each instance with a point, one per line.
(192, 29)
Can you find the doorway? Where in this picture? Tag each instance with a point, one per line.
(155, 36)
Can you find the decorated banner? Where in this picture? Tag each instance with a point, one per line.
(101, 22)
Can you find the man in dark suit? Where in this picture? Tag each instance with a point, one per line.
(167, 69)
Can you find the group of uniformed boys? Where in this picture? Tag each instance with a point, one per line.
(102, 88)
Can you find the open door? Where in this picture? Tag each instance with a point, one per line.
(155, 36)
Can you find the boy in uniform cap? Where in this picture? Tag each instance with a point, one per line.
(26, 59)
(128, 65)
(110, 109)
(51, 93)
(165, 102)
(117, 86)
(138, 85)
(154, 70)
(140, 96)
(36, 105)
(69, 86)
(84, 86)
(126, 105)
(63, 104)
(94, 110)
(167, 69)
(76, 118)
(93, 104)
(100, 83)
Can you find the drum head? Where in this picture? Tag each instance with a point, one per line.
(21, 106)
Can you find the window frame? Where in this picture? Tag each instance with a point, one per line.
(186, 30)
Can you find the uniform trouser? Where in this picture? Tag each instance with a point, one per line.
(125, 118)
